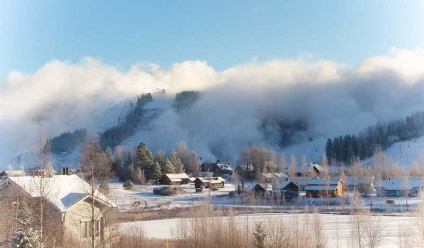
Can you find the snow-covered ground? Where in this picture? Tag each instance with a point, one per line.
(406, 152)
(338, 229)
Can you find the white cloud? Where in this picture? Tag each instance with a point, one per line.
(331, 97)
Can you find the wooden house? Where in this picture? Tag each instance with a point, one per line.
(290, 189)
(175, 179)
(212, 182)
(68, 206)
(324, 188)
(218, 168)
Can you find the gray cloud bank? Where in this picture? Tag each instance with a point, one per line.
(332, 98)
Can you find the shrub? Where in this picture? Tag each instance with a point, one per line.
(168, 191)
(390, 201)
(128, 185)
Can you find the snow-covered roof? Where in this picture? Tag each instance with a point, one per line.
(301, 180)
(323, 182)
(224, 166)
(286, 183)
(62, 190)
(13, 173)
(177, 176)
(320, 187)
(399, 184)
(305, 168)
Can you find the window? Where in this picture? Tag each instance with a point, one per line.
(86, 228)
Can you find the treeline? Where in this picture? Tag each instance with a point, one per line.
(67, 141)
(140, 165)
(115, 135)
(286, 130)
(344, 148)
(185, 99)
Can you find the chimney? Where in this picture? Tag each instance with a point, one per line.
(66, 170)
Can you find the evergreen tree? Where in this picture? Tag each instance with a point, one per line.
(176, 162)
(329, 149)
(169, 167)
(259, 236)
(157, 174)
(25, 235)
(145, 160)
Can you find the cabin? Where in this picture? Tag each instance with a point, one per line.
(324, 187)
(68, 205)
(290, 189)
(246, 171)
(175, 179)
(398, 187)
(261, 189)
(212, 182)
(218, 168)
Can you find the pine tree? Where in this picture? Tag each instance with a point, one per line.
(144, 160)
(259, 236)
(157, 174)
(176, 162)
(329, 149)
(25, 235)
(169, 167)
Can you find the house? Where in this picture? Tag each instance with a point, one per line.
(12, 173)
(398, 187)
(309, 170)
(67, 206)
(246, 171)
(175, 179)
(262, 189)
(362, 184)
(218, 168)
(212, 182)
(289, 189)
(273, 178)
(320, 187)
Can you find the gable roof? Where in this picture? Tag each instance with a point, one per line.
(62, 191)
(287, 183)
(399, 184)
(323, 184)
(175, 176)
(305, 168)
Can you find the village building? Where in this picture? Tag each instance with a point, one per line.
(175, 179)
(324, 188)
(212, 182)
(399, 187)
(289, 189)
(309, 170)
(218, 168)
(67, 202)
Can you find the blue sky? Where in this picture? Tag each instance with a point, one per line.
(223, 33)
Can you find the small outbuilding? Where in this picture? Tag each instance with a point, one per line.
(175, 179)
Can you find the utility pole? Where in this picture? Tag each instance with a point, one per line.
(92, 220)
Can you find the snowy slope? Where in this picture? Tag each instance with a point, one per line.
(406, 152)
